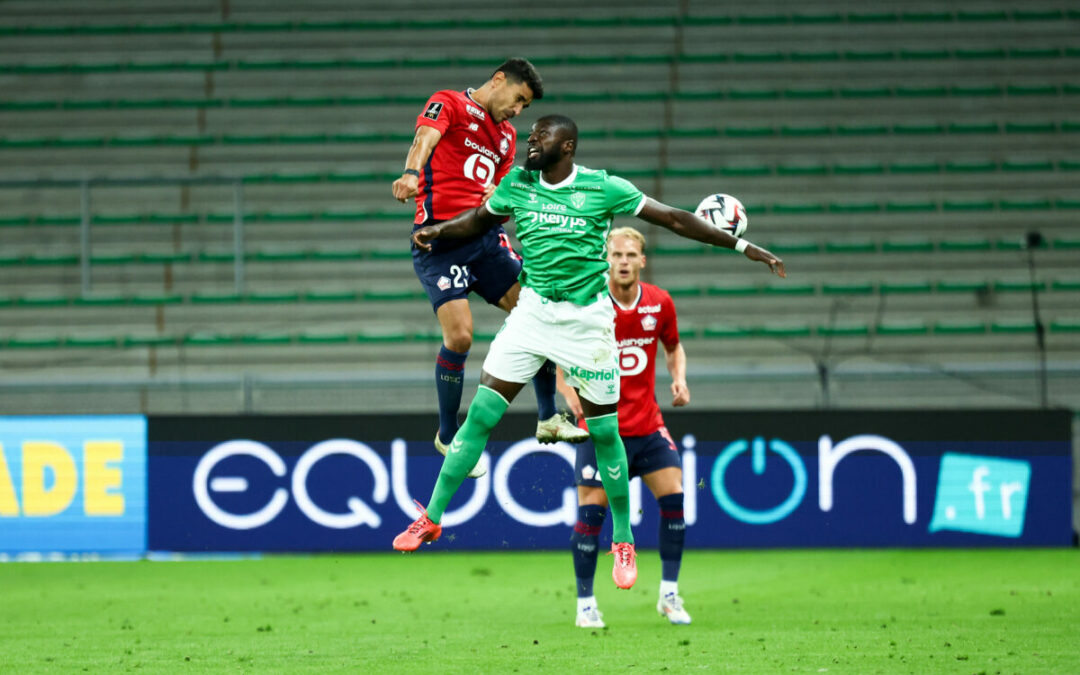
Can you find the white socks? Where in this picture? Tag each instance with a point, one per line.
(669, 588)
(583, 603)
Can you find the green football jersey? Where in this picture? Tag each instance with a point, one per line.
(563, 228)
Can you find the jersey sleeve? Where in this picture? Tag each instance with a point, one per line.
(438, 112)
(500, 203)
(623, 196)
(669, 322)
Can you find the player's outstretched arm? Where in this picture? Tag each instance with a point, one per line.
(686, 224)
(465, 224)
(423, 145)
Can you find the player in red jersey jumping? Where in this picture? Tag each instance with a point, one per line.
(464, 145)
(644, 318)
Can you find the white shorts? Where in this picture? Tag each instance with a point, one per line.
(579, 339)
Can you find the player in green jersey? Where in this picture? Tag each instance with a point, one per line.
(562, 215)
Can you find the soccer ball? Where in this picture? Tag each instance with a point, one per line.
(724, 212)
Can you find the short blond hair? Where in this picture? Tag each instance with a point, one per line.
(629, 233)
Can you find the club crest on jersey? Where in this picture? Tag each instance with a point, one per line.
(444, 283)
(504, 146)
(474, 111)
(577, 199)
(433, 111)
(648, 322)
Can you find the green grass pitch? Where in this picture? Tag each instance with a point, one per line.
(986, 611)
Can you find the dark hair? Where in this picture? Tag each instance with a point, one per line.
(562, 122)
(520, 70)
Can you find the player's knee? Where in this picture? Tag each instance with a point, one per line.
(592, 496)
(604, 430)
(458, 339)
(486, 410)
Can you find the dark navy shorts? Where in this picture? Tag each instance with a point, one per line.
(644, 454)
(485, 265)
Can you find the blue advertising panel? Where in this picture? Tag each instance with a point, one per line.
(984, 478)
(73, 485)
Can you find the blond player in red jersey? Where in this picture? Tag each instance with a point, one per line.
(644, 319)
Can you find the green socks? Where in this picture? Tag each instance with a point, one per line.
(486, 410)
(614, 472)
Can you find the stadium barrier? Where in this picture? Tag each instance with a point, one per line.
(75, 487)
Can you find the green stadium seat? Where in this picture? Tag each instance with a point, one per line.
(272, 296)
(852, 329)
(208, 339)
(733, 289)
(34, 342)
(855, 288)
(164, 258)
(945, 286)
(915, 167)
(973, 244)
(1012, 327)
(920, 91)
(684, 291)
(907, 246)
(859, 169)
(1065, 326)
(793, 246)
(148, 340)
(979, 166)
(266, 338)
(395, 295)
(891, 288)
(215, 297)
(1036, 165)
(926, 17)
(101, 300)
(900, 328)
(1025, 286)
(156, 299)
(92, 341)
(787, 288)
(959, 327)
(43, 300)
(393, 336)
(783, 330)
(725, 331)
(801, 170)
(1065, 285)
(861, 246)
(332, 295)
(323, 337)
(51, 259)
(968, 205)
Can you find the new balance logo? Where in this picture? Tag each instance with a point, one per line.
(614, 472)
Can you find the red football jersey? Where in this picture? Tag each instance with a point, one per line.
(473, 153)
(638, 329)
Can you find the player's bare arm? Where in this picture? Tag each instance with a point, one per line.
(468, 223)
(423, 145)
(686, 224)
(676, 365)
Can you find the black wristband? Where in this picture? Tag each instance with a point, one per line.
(411, 172)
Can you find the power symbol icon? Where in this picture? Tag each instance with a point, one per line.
(758, 451)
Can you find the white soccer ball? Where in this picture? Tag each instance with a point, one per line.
(724, 212)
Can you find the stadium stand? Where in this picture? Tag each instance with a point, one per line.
(895, 157)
